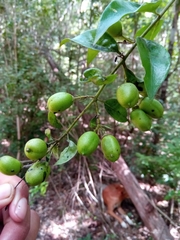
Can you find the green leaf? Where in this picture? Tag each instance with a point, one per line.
(152, 33)
(92, 72)
(91, 55)
(95, 75)
(109, 79)
(150, 7)
(64, 41)
(113, 13)
(156, 62)
(115, 110)
(118, 9)
(52, 119)
(105, 44)
(115, 30)
(68, 153)
(130, 76)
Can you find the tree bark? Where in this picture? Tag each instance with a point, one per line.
(149, 215)
(54, 66)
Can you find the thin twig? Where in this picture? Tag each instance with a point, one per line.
(90, 177)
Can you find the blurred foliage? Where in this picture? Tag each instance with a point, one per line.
(87, 237)
(35, 192)
(160, 161)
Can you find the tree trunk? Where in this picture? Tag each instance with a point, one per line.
(149, 215)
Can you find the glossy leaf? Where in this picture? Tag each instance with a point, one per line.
(156, 62)
(152, 33)
(68, 153)
(118, 9)
(115, 110)
(105, 44)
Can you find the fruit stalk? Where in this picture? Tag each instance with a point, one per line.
(78, 117)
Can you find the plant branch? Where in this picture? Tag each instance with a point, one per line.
(143, 34)
(95, 98)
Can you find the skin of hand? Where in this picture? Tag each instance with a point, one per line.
(17, 220)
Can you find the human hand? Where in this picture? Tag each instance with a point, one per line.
(17, 221)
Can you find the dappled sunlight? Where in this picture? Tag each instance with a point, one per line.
(5, 143)
(42, 103)
(72, 222)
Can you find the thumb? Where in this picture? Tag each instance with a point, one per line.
(6, 194)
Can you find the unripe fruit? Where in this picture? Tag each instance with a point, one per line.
(152, 107)
(10, 165)
(141, 120)
(35, 149)
(37, 173)
(59, 102)
(87, 143)
(127, 95)
(110, 148)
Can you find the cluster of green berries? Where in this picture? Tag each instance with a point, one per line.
(34, 149)
(143, 110)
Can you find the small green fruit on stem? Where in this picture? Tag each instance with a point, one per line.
(110, 148)
(87, 143)
(37, 173)
(152, 107)
(127, 95)
(141, 120)
(35, 149)
(59, 102)
(10, 165)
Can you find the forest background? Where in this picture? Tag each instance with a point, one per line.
(33, 67)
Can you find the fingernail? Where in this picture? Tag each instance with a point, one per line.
(5, 191)
(21, 208)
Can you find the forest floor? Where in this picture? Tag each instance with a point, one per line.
(71, 208)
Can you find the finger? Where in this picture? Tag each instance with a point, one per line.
(15, 230)
(6, 194)
(18, 206)
(34, 226)
(9, 179)
(21, 190)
